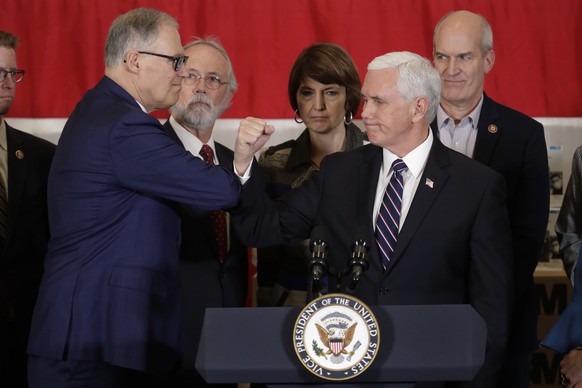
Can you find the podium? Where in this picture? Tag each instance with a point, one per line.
(421, 343)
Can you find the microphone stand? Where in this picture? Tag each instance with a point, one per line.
(318, 268)
(358, 264)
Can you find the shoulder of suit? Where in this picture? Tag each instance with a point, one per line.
(223, 148)
(29, 139)
(516, 117)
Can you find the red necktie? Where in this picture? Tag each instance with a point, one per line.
(218, 217)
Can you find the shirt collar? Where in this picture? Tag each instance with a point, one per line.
(443, 118)
(415, 160)
(190, 141)
(3, 139)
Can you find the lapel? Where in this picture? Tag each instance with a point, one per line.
(224, 155)
(435, 171)
(17, 166)
(489, 129)
(368, 173)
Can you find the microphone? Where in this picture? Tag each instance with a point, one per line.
(358, 264)
(319, 248)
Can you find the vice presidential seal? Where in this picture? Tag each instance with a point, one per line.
(336, 337)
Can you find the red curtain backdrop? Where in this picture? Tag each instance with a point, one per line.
(538, 45)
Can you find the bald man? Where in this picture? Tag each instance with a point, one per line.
(509, 142)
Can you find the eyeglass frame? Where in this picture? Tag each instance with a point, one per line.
(179, 61)
(192, 79)
(4, 74)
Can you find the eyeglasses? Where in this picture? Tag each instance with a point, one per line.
(211, 81)
(178, 61)
(17, 75)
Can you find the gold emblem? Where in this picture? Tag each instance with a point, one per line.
(19, 154)
(492, 128)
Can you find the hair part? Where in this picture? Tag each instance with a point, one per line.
(8, 40)
(215, 43)
(326, 63)
(416, 77)
(134, 30)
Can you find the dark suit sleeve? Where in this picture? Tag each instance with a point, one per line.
(147, 160)
(490, 277)
(262, 222)
(529, 212)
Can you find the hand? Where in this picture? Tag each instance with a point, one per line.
(571, 368)
(252, 135)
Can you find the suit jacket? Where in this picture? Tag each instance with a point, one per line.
(453, 248)
(21, 258)
(206, 282)
(513, 144)
(110, 287)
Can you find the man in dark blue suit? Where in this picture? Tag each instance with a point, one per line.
(509, 142)
(453, 240)
(24, 232)
(108, 311)
(213, 262)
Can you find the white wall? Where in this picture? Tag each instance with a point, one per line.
(563, 135)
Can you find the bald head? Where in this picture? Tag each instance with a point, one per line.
(466, 23)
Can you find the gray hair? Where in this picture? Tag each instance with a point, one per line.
(134, 30)
(215, 43)
(416, 77)
(486, 31)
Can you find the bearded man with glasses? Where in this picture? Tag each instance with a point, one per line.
(108, 312)
(213, 262)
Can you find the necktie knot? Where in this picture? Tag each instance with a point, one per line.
(207, 154)
(399, 165)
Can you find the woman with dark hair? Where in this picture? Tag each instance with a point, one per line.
(324, 92)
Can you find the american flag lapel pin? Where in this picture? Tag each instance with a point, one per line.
(429, 183)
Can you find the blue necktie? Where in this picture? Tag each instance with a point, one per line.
(388, 220)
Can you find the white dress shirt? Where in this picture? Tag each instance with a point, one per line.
(462, 136)
(190, 141)
(415, 160)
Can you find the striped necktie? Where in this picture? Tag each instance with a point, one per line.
(3, 211)
(218, 217)
(388, 220)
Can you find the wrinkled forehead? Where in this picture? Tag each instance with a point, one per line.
(205, 58)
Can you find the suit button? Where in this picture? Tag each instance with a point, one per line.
(383, 290)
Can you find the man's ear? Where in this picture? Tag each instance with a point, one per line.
(489, 61)
(131, 61)
(419, 108)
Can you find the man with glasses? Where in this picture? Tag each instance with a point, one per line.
(108, 311)
(24, 231)
(213, 262)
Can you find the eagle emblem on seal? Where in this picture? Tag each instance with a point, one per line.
(336, 333)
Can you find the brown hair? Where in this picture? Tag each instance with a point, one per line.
(8, 40)
(326, 63)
